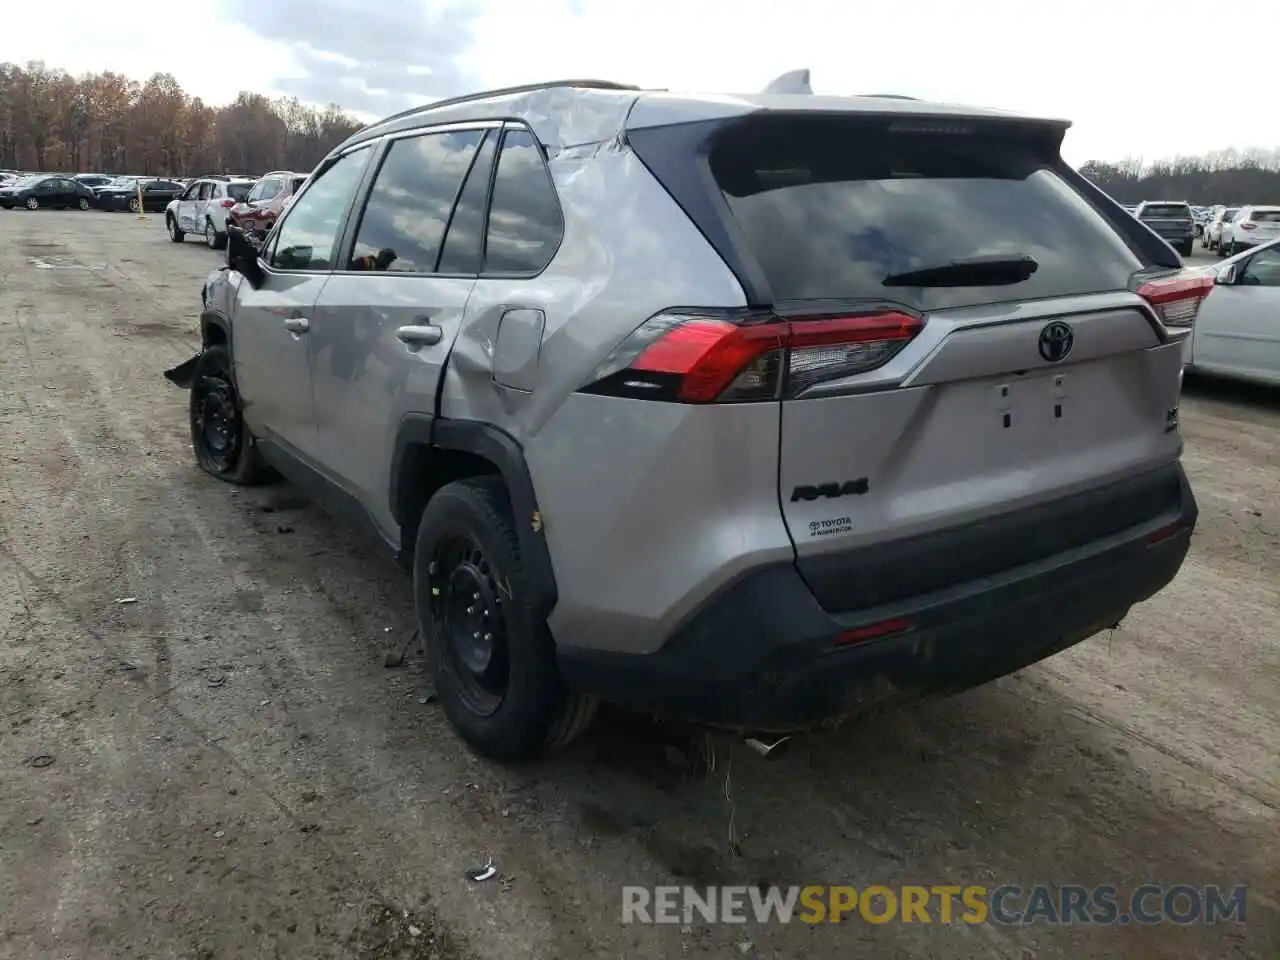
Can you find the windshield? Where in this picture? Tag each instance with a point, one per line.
(830, 208)
(1166, 210)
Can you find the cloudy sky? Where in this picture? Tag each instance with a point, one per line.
(1139, 78)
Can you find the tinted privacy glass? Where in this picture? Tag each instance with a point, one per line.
(524, 216)
(237, 191)
(306, 238)
(829, 209)
(1266, 216)
(462, 244)
(409, 205)
(1168, 211)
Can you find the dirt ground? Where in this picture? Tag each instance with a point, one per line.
(226, 768)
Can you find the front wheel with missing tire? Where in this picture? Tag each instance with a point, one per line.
(223, 445)
(492, 662)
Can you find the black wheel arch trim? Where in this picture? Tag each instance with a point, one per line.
(183, 375)
(503, 451)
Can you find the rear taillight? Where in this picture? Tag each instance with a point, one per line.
(1177, 299)
(227, 203)
(694, 357)
(1248, 225)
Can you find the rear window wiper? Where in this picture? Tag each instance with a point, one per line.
(990, 271)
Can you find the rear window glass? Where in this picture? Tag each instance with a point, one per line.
(1170, 210)
(238, 191)
(830, 208)
(1266, 216)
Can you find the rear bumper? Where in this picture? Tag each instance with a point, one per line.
(762, 654)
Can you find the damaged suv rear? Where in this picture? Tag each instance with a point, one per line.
(756, 410)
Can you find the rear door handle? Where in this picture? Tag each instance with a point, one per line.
(420, 335)
(297, 325)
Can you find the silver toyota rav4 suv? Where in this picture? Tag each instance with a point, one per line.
(758, 411)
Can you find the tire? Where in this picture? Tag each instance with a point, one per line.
(215, 415)
(134, 206)
(175, 232)
(1188, 248)
(33, 203)
(83, 203)
(504, 697)
(212, 238)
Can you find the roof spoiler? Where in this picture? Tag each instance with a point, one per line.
(793, 81)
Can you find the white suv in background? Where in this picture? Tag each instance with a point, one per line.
(202, 208)
(1250, 227)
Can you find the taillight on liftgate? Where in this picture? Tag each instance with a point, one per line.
(691, 357)
(228, 204)
(1177, 299)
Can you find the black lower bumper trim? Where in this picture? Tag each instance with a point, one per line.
(761, 655)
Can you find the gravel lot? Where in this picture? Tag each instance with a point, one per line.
(234, 773)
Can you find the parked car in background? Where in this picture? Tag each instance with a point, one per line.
(124, 194)
(1200, 216)
(1236, 334)
(202, 209)
(891, 458)
(1172, 221)
(266, 201)
(1250, 227)
(59, 193)
(1218, 216)
(94, 180)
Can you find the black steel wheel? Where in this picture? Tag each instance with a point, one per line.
(466, 603)
(490, 656)
(223, 445)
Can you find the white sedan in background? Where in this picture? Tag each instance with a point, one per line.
(1237, 330)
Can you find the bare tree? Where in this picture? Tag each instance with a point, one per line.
(107, 123)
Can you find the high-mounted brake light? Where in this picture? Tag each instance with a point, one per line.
(696, 357)
(1177, 299)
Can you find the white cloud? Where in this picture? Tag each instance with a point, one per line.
(1137, 77)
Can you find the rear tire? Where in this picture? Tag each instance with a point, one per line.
(33, 203)
(175, 233)
(223, 445)
(492, 662)
(84, 203)
(212, 238)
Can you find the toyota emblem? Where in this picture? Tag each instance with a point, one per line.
(1056, 341)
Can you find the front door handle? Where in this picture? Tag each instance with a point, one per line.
(420, 335)
(297, 325)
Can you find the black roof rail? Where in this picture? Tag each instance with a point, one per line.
(506, 92)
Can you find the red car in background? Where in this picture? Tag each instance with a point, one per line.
(258, 211)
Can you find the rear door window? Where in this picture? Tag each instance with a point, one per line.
(830, 207)
(412, 197)
(463, 244)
